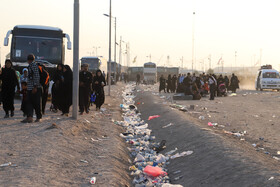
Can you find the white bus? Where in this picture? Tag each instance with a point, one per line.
(150, 73)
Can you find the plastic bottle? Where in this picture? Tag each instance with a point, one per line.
(92, 180)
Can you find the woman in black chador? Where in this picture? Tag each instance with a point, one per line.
(9, 82)
(66, 88)
(98, 88)
(56, 88)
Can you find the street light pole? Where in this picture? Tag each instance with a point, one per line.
(110, 63)
(76, 59)
(193, 41)
(115, 50)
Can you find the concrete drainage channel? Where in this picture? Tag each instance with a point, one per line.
(148, 166)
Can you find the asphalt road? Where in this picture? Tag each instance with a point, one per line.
(216, 161)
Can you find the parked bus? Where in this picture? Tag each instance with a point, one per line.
(150, 73)
(93, 62)
(46, 43)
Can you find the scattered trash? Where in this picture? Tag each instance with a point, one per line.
(201, 118)
(148, 167)
(153, 117)
(160, 147)
(84, 161)
(87, 121)
(171, 185)
(276, 158)
(178, 178)
(185, 153)
(191, 107)
(154, 171)
(53, 126)
(254, 145)
(212, 124)
(92, 180)
(271, 178)
(6, 164)
(170, 124)
(278, 152)
(176, 172)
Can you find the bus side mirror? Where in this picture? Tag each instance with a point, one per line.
(69, 45)
(6, 41)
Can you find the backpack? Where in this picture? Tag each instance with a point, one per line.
(44, 76)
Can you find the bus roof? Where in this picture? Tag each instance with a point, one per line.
(37, 27)
(90, 57)
(150, 63)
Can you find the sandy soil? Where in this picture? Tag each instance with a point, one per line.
(254, 112)
(68, 155)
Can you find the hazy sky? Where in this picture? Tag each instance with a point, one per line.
(161, 28)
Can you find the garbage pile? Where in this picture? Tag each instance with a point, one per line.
(148, 166)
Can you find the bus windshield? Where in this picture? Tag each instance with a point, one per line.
(93, 63)
(149, 66)
(271, 75)
(49, 49)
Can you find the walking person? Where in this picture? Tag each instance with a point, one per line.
(34, 91)
(213, 84)
(138, 79)
(226, 82)
(24, 76)
(57, 79)
(169, 83)
(85, 78)
(234, 83)
(67, 90)
(162, 84)
(23, 92)
(45, 83)
(9, 82)
(174, 83)
(98, 86)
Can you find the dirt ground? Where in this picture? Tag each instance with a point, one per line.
(68, 155)
(254, 114)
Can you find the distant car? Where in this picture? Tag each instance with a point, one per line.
(267, 79)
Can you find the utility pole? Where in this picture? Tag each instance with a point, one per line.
(120, 51)
(193, 41)
(115, 51)
(182, 66)
(110, 43)
(76, 59)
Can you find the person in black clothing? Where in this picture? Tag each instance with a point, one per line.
(98, 88)
(169, 82)
(226, 82)
(45, 89)
(34, 91)
(234, 83)
(23, 91)
(56, 88)
(138, 79)
(162, 84)
(85, 78)
(187, 82)
(174, 83)
(9, 82)
(220, 81)
(66, 88)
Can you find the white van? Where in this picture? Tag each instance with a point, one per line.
(268, 79)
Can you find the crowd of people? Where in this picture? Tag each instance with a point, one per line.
(199, 86)
(33, 86)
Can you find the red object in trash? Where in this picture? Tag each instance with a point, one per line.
(154, 171)
(153, 117)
